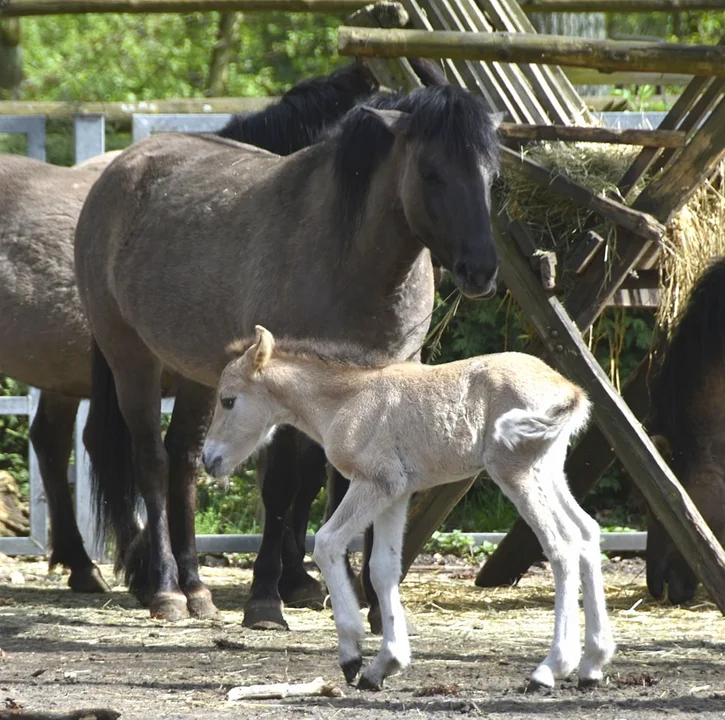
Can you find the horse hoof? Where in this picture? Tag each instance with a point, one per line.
(87, 580)
(376, 623)
(306, 594)
(587, 683)
(365, 683)
(200, 604)
(264, 615)
(169, 606)
(351, 668)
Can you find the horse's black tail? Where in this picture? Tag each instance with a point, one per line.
(108, 442)
(696, 349)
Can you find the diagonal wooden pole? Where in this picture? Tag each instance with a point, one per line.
(660, 487)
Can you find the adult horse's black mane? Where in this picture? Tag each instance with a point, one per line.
(697, 346)
(459, 120)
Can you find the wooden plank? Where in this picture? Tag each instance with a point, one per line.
(706, 60)
(637, 222)
(587, 462)
(587, 76)
(585, 250)
(549, 82)
(574, 133)
(660, 487)
(619, 6)
(26, 8)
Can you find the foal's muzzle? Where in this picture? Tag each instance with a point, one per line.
(212, 463)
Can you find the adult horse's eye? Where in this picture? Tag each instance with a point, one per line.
(227, 403)
(430, 174)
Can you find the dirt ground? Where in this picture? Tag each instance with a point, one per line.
(472, 653)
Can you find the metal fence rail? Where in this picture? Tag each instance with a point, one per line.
(89, 141)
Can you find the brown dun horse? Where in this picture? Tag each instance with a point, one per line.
(185, 242)
(44, 337)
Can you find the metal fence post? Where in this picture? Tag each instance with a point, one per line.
(89, 134)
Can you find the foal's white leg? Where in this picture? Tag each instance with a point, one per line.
(598, 641)
(358, 509)
(394, 654)
(560, 538)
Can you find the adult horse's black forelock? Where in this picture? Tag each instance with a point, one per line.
(697, 346)
(458, 120)
(303, 112)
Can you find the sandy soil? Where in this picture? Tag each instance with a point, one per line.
(472, 654)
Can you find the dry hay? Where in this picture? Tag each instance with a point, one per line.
(694, 237)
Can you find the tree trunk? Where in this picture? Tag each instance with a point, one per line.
(11, 72)
(222, 53)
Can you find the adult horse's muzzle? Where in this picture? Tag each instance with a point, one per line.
(475, 280)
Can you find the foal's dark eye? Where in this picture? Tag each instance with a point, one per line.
(227, 403)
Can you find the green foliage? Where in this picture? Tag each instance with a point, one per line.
(14, 436)
(128, 58)
(458, 544)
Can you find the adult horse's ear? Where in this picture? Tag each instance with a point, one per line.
(264, 348)
(396, 121)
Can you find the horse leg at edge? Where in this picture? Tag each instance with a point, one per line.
(52, 436)
(183, 441)
(277, 467)
(138, 385)
(296, 586)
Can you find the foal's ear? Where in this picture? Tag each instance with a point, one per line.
(396, 121)
(263, 348)
(663, 446)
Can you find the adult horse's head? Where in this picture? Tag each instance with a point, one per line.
(688, 424)
(443, 147)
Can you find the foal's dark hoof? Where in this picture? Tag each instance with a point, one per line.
(264, 615)
(87, 580)
(200, 604)
(365, 683)
(376, 622)
(588, 683)
(169, 606)
(351, 668)
(305, 594)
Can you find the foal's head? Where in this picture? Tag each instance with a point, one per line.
(246, 414)
(445, 149)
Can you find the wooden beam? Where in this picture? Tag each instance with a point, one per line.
(119, 113)
(25, 8)
(574, 133)
(587, 462)
(637, 222)
(660, 487)
(589, 76)
(619, 6)
(609, 55)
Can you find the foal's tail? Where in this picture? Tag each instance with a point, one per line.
(108, 442)
(519, 426)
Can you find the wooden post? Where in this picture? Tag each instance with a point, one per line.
(620, 6)
(607, 55)
(660, 487)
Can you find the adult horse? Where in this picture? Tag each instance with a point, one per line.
(44, 337)
(687, 418)
(186, 242)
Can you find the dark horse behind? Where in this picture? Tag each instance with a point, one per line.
(186, 242)
(688, 424)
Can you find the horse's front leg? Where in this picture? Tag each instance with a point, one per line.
(296, 586)
(184, 438)
(385, 565)
(280, 477)
(362, 502)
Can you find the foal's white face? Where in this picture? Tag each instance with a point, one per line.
(245, 415)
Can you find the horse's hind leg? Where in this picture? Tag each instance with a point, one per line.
(184, 438)
(296, 587)
(137, 374)
(598, 641)
(52, 436)
(534, 496)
